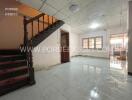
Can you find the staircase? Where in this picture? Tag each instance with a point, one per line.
(13, 70)
(16, 66)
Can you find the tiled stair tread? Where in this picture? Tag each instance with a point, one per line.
(13, 80)
(10, 52)
(10, 49)
(6, 88)
(13, 65)
(9, 70)
(13, 74)
(11, 62)
(1, 56)
(12, 58)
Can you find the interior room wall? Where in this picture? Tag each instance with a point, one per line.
(74, 41)
(130, 39)
(104, 53)
(11, 32)
(11, 29)
(47, 53)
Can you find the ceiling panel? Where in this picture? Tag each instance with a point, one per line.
(33, 3)
(83, 3)
(61, 16)
(58, 4)
(66, 11)
(48, 9)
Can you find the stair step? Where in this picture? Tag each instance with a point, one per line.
(11, 84)
(13, 73)
(13, 80)
(10, 51)
(12, 69)
(13, 64)
(10, 62)
(11, 58)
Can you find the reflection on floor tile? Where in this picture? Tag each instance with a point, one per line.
(83, 78)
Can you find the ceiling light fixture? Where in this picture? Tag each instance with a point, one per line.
(74, 8)
(94, 25)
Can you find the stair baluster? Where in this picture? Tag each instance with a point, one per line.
(32, 30)
(52, 19)
(48, 20)
(28, 48)
(38, 25)
(43, 22)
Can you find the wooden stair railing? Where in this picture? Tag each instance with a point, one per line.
(32, 20)
(28, 41)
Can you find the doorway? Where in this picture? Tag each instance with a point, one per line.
(65, 57)
(119, 46)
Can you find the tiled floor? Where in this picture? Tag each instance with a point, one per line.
(82, 79)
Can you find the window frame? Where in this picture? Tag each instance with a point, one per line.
(89, 42)
(101, 37)
(95, 47)
(83, 42)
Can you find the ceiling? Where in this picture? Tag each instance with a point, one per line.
(110, 14)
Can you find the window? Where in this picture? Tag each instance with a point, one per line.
(98, 42)
(85, 43)
(92, 43)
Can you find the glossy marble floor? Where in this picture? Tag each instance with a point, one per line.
(83, 78)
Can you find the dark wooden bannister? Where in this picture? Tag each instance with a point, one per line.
(50, 24)
(28, 44)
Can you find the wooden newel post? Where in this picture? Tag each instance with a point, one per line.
(28, 52)
(25, 32)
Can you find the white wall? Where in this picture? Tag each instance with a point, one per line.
(11, 27)
(42, 59)
(11, 35)
(130, 39)
(95, 53)
(74, 41)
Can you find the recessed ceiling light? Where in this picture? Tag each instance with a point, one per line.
(94, 25)
(74, 8)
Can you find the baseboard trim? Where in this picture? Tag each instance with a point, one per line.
(40, 68)
(130, 73)
(93, 56)
(75, 56)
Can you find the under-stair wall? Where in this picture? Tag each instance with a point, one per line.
(45, 59)
(47, 53)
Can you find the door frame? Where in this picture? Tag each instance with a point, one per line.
(62, 31)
